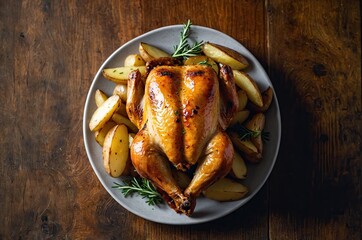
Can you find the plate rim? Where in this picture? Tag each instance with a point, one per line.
(85, 125)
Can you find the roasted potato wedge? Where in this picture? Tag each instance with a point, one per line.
(100, 134)
(225, 56)
(247, 149)
(134, 60)
(238, 168)
(121, 90)
(267, 96)
(115, 150)
(104, 112)
(256, 124)
(202, 60)
(120, 74)
(149, 52)
(226, 189)
(245, 82)
(119, 119)
(240, 117)
(243, 99)
(100, 97)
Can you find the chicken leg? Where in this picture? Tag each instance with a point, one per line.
(213, 166)
(151, 163)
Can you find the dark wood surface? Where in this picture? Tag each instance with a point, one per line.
(50, 52)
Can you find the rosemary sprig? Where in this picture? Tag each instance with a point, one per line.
(205, 62)
(183, 49)
(265, 136)
(143, 187)
(245, 133)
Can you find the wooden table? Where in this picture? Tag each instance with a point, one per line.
(50, 52)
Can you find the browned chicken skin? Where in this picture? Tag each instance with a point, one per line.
(182, 112)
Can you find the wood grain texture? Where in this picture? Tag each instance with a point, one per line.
(315, 60)
(50, 52)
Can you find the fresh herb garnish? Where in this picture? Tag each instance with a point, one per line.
(205, 62)
(247, 134)
(265, 136)
(183, 49)
(143, 187)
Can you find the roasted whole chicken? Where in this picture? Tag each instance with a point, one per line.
(182, 113)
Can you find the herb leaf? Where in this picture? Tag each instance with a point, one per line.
(183, 49)
(205, 62)
(143, 187)
(245, 133)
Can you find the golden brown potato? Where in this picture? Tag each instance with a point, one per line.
(100, 135)
(267, 96)
(121, 90)
(238, 168)
(225, 56)
(240, 117)
(256, 124)
(202, 60)
(134, 60)
(104, 112)
(245, 82)
(246, 148)
(100, 97)
(119, 119)
(243, 99)
(120, 74)
(115, 150)
(226, 189)
(149, 52)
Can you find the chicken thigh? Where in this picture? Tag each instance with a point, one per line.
(182, 112)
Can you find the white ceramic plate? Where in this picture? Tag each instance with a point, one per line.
(206, 210)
